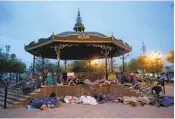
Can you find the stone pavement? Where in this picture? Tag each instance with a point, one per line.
(107, 110)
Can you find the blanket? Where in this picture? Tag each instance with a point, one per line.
(49, 102)
(167, 101)
(88, 100)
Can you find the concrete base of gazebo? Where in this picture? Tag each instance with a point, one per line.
(61, 91)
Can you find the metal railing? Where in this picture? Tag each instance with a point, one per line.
(12, 92)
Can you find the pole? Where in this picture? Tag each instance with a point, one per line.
(58, 70)
(65, 64)
(33, 70)
(43, 69)
(106, 69)
(5, 96)
(58, 76)
(123, 59)
(111, 64)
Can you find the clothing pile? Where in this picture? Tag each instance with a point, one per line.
(134, 101)
(166, 101)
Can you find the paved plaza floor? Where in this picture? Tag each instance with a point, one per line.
(107, 110)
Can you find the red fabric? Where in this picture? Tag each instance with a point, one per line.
(129, 77)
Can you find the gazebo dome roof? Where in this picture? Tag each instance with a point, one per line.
(79, 25)
(67, 33)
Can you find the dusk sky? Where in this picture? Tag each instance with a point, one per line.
(133, 22)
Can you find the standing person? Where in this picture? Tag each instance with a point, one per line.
(129, 78)
(162, 81)
(119, 77)
(122, 77)
(49, 79)
(55, 78)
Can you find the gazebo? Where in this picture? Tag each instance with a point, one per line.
(78, 45)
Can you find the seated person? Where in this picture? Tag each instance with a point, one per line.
(71, 82)
(157, 90)
(112, 77)
(78, 82)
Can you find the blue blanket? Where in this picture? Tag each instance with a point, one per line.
(36, 103)
(167, 101)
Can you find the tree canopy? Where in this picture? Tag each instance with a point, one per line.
(170, 57)
(9, 63)
(145, 63)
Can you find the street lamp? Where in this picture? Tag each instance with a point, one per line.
(157, 57)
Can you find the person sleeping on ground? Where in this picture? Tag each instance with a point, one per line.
(71, 100)
(42, 103)
(87, 100)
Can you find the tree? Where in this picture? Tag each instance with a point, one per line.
(125, 67)
(69, 67)
(52, 67)
(170, 57)
(10, 64)
(80, 66)
(133, 65)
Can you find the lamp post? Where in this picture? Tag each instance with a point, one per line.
(157, 57)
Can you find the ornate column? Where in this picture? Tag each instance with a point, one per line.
(111, 64)
(33, 69)
(43, 70)
(123, 60)
(58, 51)
(65, 65)
(105, 52)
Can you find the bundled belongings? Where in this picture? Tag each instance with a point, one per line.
(127, 100)
(143, 100)
(166, 101)
(134, 101)
(42, 103)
